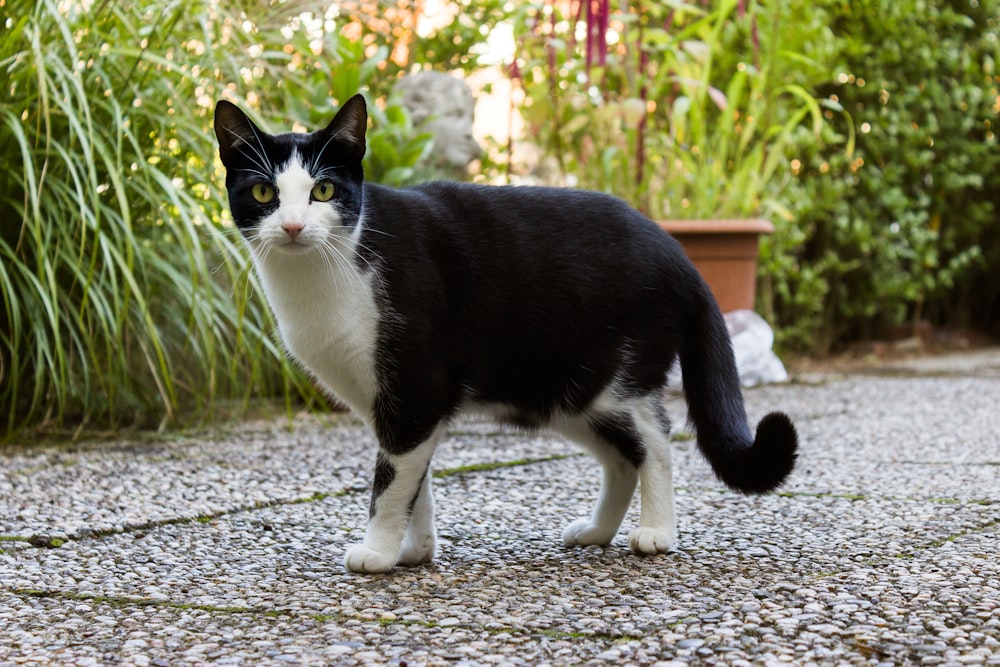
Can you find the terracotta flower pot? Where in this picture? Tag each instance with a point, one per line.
(725, 253)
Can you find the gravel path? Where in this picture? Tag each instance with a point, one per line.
(226, 550)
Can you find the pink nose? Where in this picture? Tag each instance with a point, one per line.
(292, 228)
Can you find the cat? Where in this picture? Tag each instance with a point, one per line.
(538, 306)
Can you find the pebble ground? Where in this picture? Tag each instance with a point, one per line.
(226, 549)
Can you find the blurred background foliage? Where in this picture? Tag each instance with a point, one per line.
(864, 130)
(906, 228)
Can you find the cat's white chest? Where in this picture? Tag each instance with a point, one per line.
(328, 320)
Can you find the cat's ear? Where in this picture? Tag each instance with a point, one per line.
(233, 128)
(349, 125)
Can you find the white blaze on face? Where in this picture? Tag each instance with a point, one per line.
(324, 304)
(294, 185)
(313, 221)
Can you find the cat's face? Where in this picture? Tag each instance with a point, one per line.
(291, 193)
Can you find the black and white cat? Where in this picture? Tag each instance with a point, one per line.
(541, 307)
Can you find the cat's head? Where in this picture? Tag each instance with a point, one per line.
(291, 192)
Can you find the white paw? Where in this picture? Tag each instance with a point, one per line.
(360, 558)
(585, 532)
(419, 551)
(650, 541)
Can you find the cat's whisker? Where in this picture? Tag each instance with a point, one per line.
(350, 263)
(367, 261)
(240, 279)
(263, 251)
(333, 259)
(330, 169)
(231, 256)
(257, 242)
(260, 158)
(372, 230)
(255, 239)
(262, 152)
(231, 251)
(319, 154)
(329, 246)
(257, 172)
(232, 232)
(329, 255)
(262, 170)
(361, 244)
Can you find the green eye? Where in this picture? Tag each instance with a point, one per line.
(262, 192)
(323, 191)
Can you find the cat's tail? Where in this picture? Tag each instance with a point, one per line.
(715, 407)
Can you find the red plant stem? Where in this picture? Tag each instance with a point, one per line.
(590, 42)
(603, 15)
(597, 18)
(590, 35)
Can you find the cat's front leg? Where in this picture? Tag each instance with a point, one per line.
(397, 490)
(420, 542)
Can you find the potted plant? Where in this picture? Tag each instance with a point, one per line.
(725, 253)
(677, 109)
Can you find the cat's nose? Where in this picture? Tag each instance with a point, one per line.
(292, 229)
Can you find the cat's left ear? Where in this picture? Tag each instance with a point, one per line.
(232, 128)
(349, 125)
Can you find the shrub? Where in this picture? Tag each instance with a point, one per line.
(906, 227)
(125, 295)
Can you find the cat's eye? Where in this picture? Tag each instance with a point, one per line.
(262, 193)
(323, 191)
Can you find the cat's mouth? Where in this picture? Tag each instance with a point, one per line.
(294, 239)
(284, 245)
(294, 246)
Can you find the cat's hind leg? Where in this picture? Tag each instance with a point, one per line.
(604, 437)
(399, 489)
(657, 523)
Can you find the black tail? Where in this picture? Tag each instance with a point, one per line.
(715, 407)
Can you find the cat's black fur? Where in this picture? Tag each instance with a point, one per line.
(528, 297)
(530, 300)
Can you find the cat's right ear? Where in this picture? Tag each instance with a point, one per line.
(349, 125)
(233, 128)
